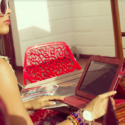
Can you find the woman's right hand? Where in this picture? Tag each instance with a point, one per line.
(41, 102)
(98, 105)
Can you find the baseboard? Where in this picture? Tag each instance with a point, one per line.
(85, 56)
(88, 56)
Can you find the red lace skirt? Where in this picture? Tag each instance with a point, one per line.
(46, 117)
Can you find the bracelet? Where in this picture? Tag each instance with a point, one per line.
(77, 119)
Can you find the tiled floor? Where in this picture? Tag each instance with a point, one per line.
(19, 74)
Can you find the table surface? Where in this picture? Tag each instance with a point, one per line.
(69, 79)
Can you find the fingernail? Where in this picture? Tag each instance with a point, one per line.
(115, 91)
(54, 103)
(63, 97)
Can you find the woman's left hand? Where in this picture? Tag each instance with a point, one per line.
(98, 105)
(41, 102)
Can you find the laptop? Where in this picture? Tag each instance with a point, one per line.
(99, 76)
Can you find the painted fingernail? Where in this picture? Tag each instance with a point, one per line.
(63, 97)
(54, 103)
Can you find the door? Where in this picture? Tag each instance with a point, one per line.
(7, 48)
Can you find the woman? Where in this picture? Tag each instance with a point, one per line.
(9, 92)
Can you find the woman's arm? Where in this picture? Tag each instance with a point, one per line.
(10, 94)
(66, 122)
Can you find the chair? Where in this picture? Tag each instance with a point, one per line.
(48, 60)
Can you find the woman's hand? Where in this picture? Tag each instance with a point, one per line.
(98, 106)
(42, 102)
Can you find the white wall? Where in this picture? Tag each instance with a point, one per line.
(93, 27)
(86, 24)
(42, 21)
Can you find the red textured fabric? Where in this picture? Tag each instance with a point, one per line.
(42, 114)
(122, 119)
(119, 101)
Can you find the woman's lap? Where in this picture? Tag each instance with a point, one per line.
(53, 120)
(47, 117)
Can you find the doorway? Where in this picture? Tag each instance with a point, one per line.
(2, 46)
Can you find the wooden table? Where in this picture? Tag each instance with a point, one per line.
(70, 79)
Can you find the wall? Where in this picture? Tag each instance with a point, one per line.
(42, 21)
(86, 24)
(93, 27)
(15, 34)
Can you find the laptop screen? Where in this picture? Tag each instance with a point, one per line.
(99, 75)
